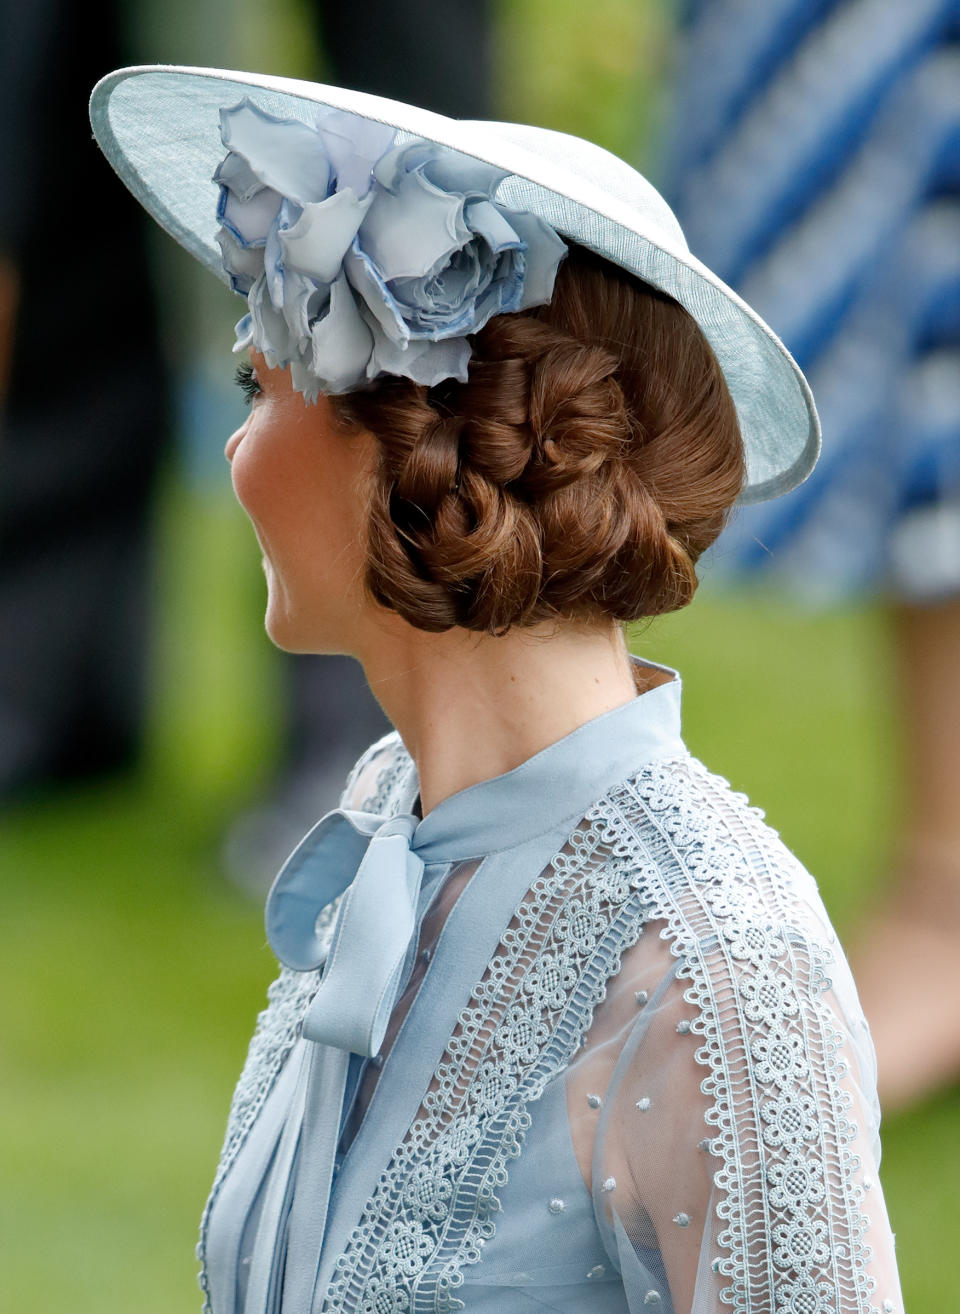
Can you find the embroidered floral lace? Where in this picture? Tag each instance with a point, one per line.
(660, 1096)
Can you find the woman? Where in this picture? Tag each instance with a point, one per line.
(560, 1025)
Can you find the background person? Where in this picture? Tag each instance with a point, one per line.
(815, 164)
(83, 422)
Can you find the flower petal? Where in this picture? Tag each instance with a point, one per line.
(446, 296)
(298, 294)
(443, 305)
(391, 169)
(341, 342)
(273, 267)
(504, 290)
(243, 330)
(448, 170)
(235, 173)
(303, 379)
(250, 220)
(317, 242)
(544, 252)
(284, 154)
(353, 145)
(454, 172)
(493, 226)
(243, 264)
(412, 231)
(368, 282)
(424, 362)
(270, 332)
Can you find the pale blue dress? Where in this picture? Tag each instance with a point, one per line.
(628, 1070)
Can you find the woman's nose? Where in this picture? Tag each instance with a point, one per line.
(233, 442)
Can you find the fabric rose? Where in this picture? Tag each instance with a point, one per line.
(359, 257)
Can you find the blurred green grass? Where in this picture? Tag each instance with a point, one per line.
(132, 973)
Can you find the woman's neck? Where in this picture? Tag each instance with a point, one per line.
(469, 707)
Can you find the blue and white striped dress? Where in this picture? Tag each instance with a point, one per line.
(815, 165)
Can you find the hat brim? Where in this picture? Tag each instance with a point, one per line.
(159, 127)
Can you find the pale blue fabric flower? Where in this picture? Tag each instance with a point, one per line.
(359, 257)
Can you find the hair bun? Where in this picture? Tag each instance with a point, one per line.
(589, 459)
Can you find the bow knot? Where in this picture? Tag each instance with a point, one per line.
(372, 863)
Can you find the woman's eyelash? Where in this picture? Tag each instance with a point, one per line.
(246, 381)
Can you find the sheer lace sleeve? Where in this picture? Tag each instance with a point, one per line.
(733, 1154)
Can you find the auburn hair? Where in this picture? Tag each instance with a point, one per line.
(589, 459)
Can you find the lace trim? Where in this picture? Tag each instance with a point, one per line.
(662, 846)
(433, 1209)
(389, 784)
(394, 772)
(289, 996)
(793, 1225)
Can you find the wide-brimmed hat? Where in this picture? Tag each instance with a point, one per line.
(159, 127)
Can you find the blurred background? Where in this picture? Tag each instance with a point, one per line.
(156, 754)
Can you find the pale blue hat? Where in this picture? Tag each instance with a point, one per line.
(160, 128)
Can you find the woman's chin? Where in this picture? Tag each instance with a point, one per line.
(284, 633)
(283, 622)
(284, 628)
(295, 633)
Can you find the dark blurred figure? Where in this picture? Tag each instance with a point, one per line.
(83, 413)
(438, 57)
(816, 166)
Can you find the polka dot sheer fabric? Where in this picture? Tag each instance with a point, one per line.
(660, 1095)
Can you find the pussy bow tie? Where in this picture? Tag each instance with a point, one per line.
(378, 868)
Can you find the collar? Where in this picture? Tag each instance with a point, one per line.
(562, 780)
(378, 863)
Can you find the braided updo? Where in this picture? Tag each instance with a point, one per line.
(591, 457)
